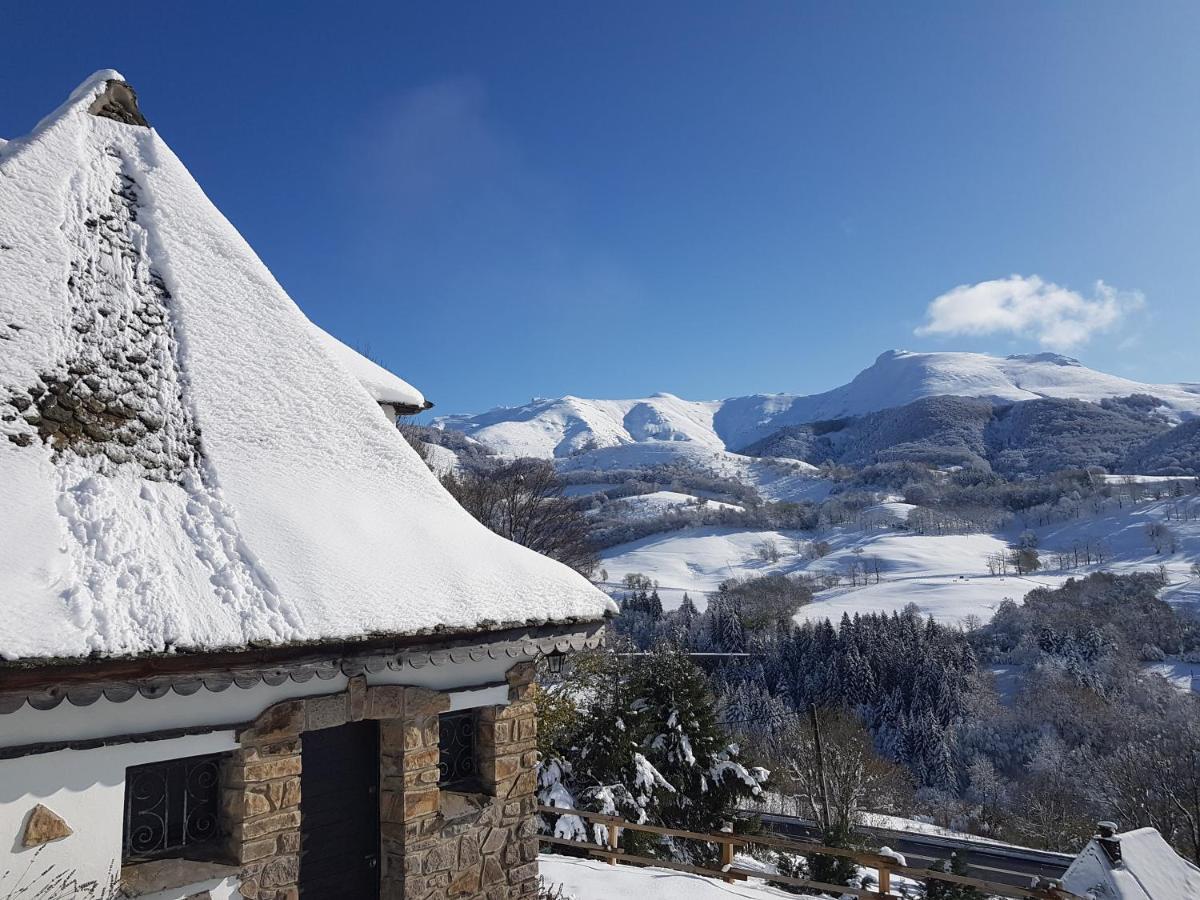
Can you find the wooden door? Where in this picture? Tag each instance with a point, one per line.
(339, 813)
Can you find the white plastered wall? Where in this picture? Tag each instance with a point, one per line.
(87, 787)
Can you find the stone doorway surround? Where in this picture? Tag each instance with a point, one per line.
(434, 843)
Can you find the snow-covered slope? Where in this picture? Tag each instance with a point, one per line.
(183, 463)
(946, 576)
(571, 425)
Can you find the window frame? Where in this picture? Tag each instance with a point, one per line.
(459, 767)
(179, 797)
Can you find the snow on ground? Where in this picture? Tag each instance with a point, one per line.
(946, 576)
(1183, 675)
(591, 879)
(694, 560)
(442, 460)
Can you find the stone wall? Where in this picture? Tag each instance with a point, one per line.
(468, 845)
(434, 844)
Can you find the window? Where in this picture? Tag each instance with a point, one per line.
(458, 765)
(173, 808)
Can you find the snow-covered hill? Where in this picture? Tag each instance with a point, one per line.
(946, 576)
(561, 428)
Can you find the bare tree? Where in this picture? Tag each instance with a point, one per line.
(523, 501)
(855, 777)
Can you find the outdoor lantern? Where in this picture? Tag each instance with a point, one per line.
(554, 661)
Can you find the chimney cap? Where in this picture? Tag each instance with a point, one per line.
(1107, 829)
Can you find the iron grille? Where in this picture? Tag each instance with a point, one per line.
(458, 766)
(172, 806)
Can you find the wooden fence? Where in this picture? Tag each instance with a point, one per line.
(728, 842)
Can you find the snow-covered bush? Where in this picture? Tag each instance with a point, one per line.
(644, 746)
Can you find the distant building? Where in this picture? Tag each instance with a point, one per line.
(249, 647)
(1133, 865)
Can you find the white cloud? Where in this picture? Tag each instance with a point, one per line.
(1058, 318)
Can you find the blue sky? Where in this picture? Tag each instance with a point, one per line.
(503, 200)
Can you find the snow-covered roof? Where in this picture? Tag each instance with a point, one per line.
(382, 385)
(1148, 870)
(183, 464)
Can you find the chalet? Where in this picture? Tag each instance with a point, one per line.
(249, 646)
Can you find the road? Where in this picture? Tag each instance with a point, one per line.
(992, 862)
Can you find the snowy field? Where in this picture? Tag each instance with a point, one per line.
(945, 576)
(590, 879)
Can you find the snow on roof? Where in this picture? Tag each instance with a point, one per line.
(1148, 870)
(382, 385)
(183, 465)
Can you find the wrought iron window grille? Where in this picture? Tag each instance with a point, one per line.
(458, 760)
(173, 808)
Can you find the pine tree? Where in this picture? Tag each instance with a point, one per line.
(684, 743)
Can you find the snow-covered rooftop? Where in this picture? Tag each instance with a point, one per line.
(1147, 870)
(382, 385)
(185, 462)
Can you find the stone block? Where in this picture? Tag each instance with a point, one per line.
(420, 803)
(522, 691)
(522, 673)
(526, 729)
(269, 824)
(431, 733)
(463, 884)
(255, 801)
(325, 712)
(529, 850)
(492, 870)
(518, 874)
(420, 702)
(289, 842)
(357, 692)
(280, 721)
(423, 758)
(270, 769)
(468, 853)
(440, 859)
(282, 870)
(43, 826)
(414, 737)
(495, 840)
(385, 702)
(260, 849)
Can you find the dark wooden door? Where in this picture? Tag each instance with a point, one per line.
(339, 813)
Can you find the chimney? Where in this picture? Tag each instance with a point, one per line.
(1108, 841)
(118, 101)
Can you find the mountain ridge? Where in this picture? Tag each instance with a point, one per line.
(557, 428)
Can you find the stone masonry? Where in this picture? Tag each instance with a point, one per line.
(468, 845)
(434, 844)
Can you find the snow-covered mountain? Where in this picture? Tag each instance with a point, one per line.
(560, 428)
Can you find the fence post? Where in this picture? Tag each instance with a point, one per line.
(727, 851)
(614, 835)
(885, 880)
